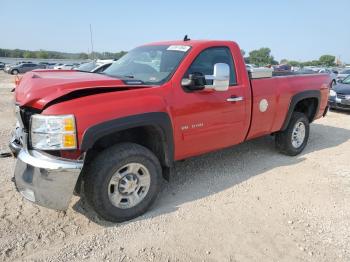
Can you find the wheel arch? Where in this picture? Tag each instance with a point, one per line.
(307, 102)
(152, 130)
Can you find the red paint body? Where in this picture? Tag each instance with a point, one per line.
(221, 123)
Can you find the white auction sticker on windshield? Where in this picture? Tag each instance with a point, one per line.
(182, 48)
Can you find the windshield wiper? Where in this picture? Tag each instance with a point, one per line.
(128, 79)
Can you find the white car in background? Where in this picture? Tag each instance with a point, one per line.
(96, 66)
(58, 66)
(65, 66)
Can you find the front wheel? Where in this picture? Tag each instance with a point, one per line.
(14, 72)
(123, 182)
(293, 140)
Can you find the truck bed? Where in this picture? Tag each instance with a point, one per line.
(278, 91)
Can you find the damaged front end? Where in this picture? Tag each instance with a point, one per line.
(41, 178)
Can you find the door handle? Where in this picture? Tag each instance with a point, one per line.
(235, 99)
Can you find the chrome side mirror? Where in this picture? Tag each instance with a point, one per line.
(221, 77)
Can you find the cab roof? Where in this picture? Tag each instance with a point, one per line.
(193, 43)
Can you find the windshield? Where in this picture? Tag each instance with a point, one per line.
(148, 64)
(346, 80)
(87, 67)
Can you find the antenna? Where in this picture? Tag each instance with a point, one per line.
(92, 44)
(186, 38)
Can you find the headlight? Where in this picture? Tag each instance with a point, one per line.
(53, 132)
(332, 93)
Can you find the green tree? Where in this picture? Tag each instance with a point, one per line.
(284, 61)
(293, 63)
(83, 56)
(327, 60)
(29, 54)
(16, 53)
(261, 57)
(42, 54)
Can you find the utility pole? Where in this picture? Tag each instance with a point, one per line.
(92, 44)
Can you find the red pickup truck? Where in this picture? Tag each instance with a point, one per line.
(112, 137)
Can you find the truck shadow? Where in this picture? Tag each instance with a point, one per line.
(212, 173)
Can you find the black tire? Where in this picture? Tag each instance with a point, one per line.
(14, 72)
(284, 138)
(101, 170)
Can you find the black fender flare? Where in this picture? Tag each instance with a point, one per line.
(297, 98)
(161, 120)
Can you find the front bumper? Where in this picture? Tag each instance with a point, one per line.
(44, 179)
(339, 103)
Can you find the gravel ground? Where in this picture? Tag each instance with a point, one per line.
(246, 203)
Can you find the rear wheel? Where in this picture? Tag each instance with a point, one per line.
(293, 140)
(123, 182)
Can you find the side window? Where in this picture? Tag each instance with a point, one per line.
(205, 61)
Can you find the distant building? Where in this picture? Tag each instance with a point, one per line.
(338, 62)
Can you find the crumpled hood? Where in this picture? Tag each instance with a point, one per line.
(39, 87)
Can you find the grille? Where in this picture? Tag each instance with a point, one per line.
(25, 114)
(341, 96)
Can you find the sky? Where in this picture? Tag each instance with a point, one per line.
(293, 29)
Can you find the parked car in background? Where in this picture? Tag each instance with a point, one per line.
(101, 68)
(97, 66)
(44, 64)
(335, 70)
(2, 66)
(282, 68)
(306, 71)
(339, 95)
(331, 74)
(58, 66)
(22, 68)
(66, 67)
(343, 74)
(50, 65)
(69, 66)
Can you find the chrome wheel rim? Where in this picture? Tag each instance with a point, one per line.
(298, 134)
(129, 185)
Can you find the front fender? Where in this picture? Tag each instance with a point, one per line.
(160, 120)
(100, 114)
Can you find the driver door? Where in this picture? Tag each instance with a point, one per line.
(206, 119)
